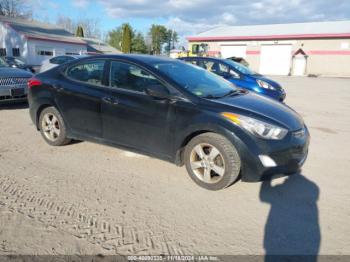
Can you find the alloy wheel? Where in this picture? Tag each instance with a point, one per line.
(51, 127)
(207, 163)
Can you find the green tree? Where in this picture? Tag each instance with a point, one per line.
(138, 43)
(174, 39)
(171, 39)
(126, 38)
(115, 38)
(80, 31)
(159, 35)
(168, 40)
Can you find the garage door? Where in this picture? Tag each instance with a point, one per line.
(275, 59)
(233, 50)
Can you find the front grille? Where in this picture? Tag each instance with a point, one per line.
(13, 81)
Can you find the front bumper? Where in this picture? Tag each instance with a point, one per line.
(9, 94)
(289, 155)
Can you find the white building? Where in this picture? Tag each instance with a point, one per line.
(313, 48)
(35, 41)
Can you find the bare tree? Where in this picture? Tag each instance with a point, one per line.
(15, 8)
(91, 27)
(66, 23)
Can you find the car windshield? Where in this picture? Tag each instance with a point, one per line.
(198, 81)
(241, 68)
(3, 63)
(19, 62)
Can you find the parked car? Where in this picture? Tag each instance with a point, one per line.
(18, 63)
(13, 83)
(58, 60)
(171, 110)
(240, 75)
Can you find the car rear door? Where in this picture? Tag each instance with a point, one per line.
(79, 95)
(131, 117)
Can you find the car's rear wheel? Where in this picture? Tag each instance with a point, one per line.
(212, 161)
(52, 127)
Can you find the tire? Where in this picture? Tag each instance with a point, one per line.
(53, 128)
(212, 173)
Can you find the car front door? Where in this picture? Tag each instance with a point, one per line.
(131, 117)
(79, 95)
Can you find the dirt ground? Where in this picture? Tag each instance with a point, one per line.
(86, 198)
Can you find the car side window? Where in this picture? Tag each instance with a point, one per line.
(217, 68)
(190, 61)
(202, 64)
(90, 72)
(193, 62)
(130, 77)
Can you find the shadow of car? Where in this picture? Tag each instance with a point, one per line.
(292, 230)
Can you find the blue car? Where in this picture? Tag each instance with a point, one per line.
(240, 75)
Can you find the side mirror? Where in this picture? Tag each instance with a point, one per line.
(158, 91)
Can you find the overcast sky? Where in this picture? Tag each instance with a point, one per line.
(189, 17)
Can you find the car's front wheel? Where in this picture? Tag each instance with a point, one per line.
(212, 161)
(52, 127)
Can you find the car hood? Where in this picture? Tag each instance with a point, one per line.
(251, 104)
(13, 72)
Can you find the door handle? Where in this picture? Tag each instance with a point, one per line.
(58, 87)
(110, 100)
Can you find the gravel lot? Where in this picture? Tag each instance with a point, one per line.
(88, 199)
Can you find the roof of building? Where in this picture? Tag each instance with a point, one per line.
(335, 29)
(41, 31)
(97, 46)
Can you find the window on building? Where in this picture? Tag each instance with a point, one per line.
(72, 53)
(44, 50)
(90, 72)
(2, 51)
(16, 52)
(45, 53)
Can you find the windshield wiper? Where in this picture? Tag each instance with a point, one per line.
(231, 93)
(211, 97)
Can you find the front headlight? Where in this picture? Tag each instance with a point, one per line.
(257, 127)
(264, 84)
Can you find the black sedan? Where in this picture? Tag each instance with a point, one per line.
(13, 83)
(173, 111)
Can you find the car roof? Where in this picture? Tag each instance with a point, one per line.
(202, 57)
(136, 58)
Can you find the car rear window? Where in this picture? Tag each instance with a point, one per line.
(58, 60)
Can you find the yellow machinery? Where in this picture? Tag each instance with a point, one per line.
(195, 49)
